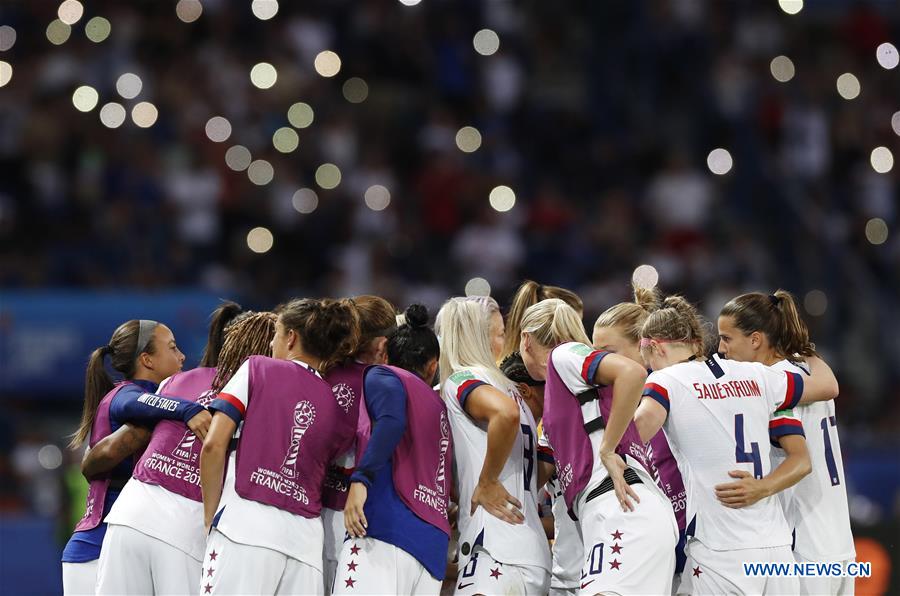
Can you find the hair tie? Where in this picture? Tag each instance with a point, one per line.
(108, 349)
(774, 300)
(540, 291)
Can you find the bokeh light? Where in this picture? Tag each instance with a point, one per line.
(876, 231)
(7, 38)
(260, 240)
(502, 198)
(260, 172)
(791, 6)
(129, 85)
(328, 176)
(895, 123)
(6, 72)
(85, 98)
(815, 303)
(238, 158)
(144, 114)
(188, 11)
(112, 115)
(300, 115)
(377, 197)
(782, 69)
(218, 130)
(882, 160)
(263, 75)
(264, 9)
(50, 457)
(305, 200)
(719, 161)
(327, 63)
(887, 56)
(486, 42)
(70, 12)
(848, 86)
(97, 29)
(355, 90)
(285, 139)
(409, 2)
(468, 139)
(58, 32)
(645, 276)
(478, 286)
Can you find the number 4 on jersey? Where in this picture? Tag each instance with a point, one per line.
(742, 456)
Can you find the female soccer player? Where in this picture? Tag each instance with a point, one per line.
(764, 328)
(396, 511)
(618, 330)
(161, 552)
(566, 553)
(719, 417)
(377, 320)
(503, 548)
(286, 426)
(529, 293)
(589, 400)
(145, 353)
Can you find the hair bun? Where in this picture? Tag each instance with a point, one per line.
(416, 316)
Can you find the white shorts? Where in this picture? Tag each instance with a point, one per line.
(234, 568)
(79, 578)
(716, 572)
(483, 575)
(132, 562)
(333, 522)
(370, 566)
(838, 586)
(563, 591)
(628, 552)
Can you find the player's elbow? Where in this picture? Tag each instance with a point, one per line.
(212, 450)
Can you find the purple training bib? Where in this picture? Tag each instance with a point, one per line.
(172, 458)
(347, 385)
(102, 428)
(293, 429)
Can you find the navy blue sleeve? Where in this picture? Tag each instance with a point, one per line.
(386, 402)
(133, 404)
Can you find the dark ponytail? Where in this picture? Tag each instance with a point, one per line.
(774, 315)
(220, 319)
(122, 350)
(413, 345)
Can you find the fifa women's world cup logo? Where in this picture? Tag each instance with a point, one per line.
(444, 445)
(304, 416)
(188, 448)
(344, 395)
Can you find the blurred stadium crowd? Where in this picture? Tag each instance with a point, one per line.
(598, 115)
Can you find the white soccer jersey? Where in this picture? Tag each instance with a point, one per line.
(722, 415)
(515, 544)
(816, 507)
(568, 551)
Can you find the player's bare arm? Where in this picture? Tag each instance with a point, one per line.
(649, 418)
(354, 516)
(212, 464)
(111, 450)
(627, 378)
(501, 412)
(747, 490)
(821, 384)
(545, 471)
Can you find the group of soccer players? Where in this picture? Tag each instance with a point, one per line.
(332, 446)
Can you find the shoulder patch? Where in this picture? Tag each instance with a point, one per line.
(785, 412)
(460, 377)
(580, 349)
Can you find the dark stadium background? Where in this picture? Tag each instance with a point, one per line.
(599, 118)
